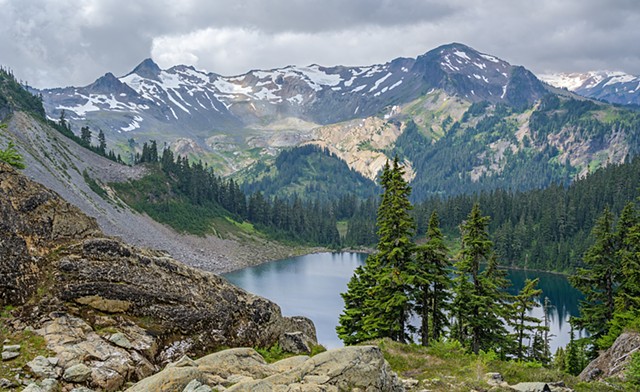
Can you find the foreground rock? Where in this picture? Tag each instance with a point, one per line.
(243, 369)
(613, 361)
(111, 312)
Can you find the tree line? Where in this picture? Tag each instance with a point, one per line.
(188, 187)
(403, 279)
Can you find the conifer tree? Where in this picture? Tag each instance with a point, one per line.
(523, 324)
(431, 283)
(85, 136)
(102, 142)
(11, 156)
(479, 297)
(384, 280)
(598, 281)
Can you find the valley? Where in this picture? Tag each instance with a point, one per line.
(169, 173)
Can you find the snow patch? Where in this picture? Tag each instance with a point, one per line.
(297, 99)
(135, 124)
(462, 55)
(379, 82)
(490, 58)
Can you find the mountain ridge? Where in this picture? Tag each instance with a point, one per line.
(611, 86)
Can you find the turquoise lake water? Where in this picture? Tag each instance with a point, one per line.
(310, 286)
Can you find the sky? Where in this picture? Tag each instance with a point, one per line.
(57, 43)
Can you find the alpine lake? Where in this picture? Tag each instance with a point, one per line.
(310, 286)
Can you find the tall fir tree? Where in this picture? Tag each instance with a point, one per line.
(526, 326)
(479, 296)
(598, 280)
(431, 283)
(385, 310)
(102, 143)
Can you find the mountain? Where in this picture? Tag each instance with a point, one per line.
(461, 120)
(613, 87)
(219, 118)
(84, 179)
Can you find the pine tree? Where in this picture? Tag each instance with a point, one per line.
(384, 281)
(11, 156)
(85, 136)
(431, 283)
(523, 324)
(598, 281)
(102, 143)
(572, 355)
(479, 297)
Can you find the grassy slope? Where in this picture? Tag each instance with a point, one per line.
(445, 367)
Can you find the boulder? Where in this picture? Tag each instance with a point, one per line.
(49, 385)
(238, 361)
(173, 379)
(33, 387)
(613, 361)
(73, 341)
(350, 368)
(9, 355)
(196, 386)
(120, 340)
(295, 342)
(41, 367)
(77, 373)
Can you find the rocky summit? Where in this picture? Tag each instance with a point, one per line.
(111, 313)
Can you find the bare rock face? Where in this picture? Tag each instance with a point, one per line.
(111, 312)
(33, 220)
(613, 361)
(360, 368)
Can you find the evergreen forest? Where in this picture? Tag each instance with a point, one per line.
(460, 295)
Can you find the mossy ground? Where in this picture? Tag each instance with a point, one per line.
(31, 345)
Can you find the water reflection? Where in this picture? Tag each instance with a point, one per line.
(311, 285)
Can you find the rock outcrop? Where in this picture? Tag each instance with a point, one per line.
(361, 368)
(613, 361)
(111, 312)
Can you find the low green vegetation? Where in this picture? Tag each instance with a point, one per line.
(94, 186)
(445, 366)
(275, 353)
(11, 156)
(31, 345)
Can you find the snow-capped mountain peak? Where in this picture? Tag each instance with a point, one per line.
(612, 86)
(151, 99)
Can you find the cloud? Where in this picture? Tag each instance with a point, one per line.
(72, 42)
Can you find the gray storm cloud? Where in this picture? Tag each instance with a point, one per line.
(58, 43)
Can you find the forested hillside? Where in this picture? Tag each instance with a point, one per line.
(192, 198)
(492, 147)
(546, 229)
(310, 172)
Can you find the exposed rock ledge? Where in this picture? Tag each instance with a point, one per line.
(613, 361)
(121, 310)
(243, 369)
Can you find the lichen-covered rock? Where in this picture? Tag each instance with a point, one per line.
(41, 367)
(33, 221)
(351, 368)
(613, 361)
(78, 373)
(295, 342)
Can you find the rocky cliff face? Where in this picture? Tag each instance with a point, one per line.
(613, 361)
(112, 307)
